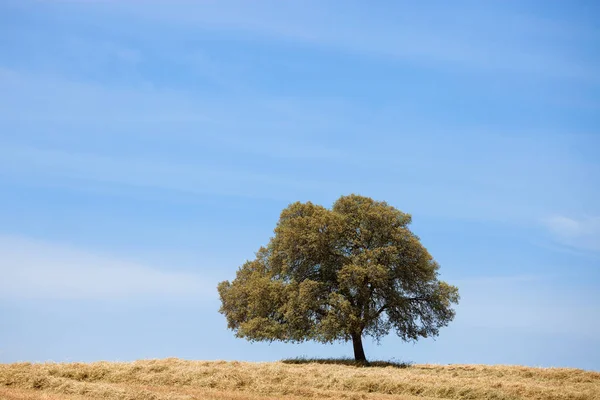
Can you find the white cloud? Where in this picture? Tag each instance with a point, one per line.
(43, 270)
(71, 108)
(528, 303)
(48, 98)
(582, 233)
(52, 127)
(84, 171)
(448, 36)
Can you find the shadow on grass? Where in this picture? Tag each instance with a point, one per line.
(347, 361)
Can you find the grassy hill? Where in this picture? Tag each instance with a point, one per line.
(174, 379)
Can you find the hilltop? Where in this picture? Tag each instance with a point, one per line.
(175, 379)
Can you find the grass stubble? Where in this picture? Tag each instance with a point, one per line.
(175, 379)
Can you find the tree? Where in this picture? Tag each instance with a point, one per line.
(338, 275)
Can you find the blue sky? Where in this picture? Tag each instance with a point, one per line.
(146, 150)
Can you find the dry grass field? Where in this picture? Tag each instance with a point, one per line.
(174, 379)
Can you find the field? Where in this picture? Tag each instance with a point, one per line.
(174, 379)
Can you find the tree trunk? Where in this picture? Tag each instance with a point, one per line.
(359, 352)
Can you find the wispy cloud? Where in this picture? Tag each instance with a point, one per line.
(580, 233)
(67, 106)
(528, 303)
(465, 37)
(33, 269)
(84, 170)
(75, 134)
(44, 97)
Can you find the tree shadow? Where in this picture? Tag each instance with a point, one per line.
(348, 361)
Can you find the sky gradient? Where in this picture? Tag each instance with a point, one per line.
(147, 149)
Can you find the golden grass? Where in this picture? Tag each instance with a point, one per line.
(174, 379)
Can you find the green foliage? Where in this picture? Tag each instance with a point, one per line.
(330, 275)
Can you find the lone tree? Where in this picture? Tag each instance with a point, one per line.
(339, 275)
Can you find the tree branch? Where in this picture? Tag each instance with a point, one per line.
(381, 309)
(419, 298)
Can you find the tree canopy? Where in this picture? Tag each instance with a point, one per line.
(339, 274)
